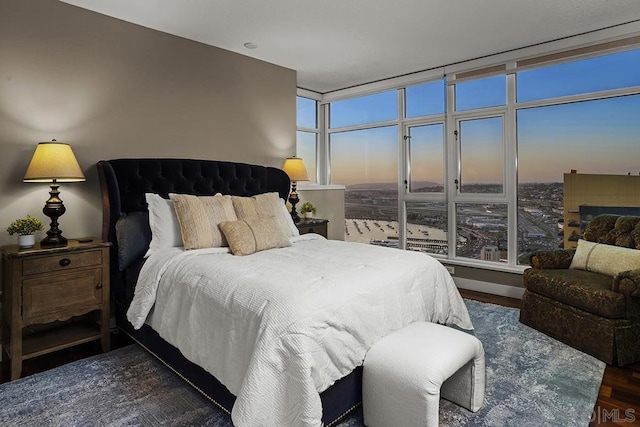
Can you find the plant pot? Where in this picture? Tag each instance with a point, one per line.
(26, 241)
(308, 215)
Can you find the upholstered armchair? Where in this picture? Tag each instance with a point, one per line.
(589, 297)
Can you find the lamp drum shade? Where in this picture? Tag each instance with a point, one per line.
(294, 167)
(53, 161)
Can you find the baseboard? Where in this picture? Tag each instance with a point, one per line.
(489, 288)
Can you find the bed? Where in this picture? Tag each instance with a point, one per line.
(316, 392)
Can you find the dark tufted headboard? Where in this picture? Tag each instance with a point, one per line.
(124, 182)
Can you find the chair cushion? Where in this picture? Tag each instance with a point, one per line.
(586, 290)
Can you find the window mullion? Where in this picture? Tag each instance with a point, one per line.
(324, 149)
(511, 172)
(452, 171)
(403, 174)
(363, 127)
(591, 96)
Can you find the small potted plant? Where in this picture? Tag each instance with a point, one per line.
(25, 227)
(308, 210)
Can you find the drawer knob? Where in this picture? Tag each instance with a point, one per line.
(99, 286)
(64, 262)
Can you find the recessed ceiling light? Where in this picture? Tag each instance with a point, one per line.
(251, 45)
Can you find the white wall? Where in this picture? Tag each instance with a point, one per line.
(329, 201)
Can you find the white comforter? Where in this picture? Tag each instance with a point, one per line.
(279, 326)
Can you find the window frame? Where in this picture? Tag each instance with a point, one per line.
(316, 131)
(405, 196)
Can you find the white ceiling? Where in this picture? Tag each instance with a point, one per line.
(335, 44)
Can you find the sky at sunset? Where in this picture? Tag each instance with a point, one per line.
(598, 136)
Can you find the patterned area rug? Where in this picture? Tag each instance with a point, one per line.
(532, 380)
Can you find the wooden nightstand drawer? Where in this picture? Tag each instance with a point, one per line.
(54, 263)
(47, 298)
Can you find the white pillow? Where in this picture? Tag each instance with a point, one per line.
(288, 220)
(165, 229)
(604, 259)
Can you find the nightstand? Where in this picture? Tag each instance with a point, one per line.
(65, 288)
(313, 225)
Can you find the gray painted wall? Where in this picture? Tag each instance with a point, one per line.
(113, 89)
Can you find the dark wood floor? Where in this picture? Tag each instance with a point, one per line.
(618, 402)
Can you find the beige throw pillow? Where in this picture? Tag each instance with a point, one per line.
(199, 217)
(245, 208)
(604, 259)
(249, 236)
(263, 206)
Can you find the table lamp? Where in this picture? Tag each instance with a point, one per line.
(294, 167)
(53, 162)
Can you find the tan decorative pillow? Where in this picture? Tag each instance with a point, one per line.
(263, 206)
(199, 217)
(246, 237)
(245, 208)
(604, 259)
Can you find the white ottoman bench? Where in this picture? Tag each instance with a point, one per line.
(406, 372)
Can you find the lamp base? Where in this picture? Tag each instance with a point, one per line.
(293, 199)
(54, 209)
(53, 241)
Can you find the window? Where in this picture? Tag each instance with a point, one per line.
(504, 141)
(426, 219)
(364, 157)
(379, 107)
(487, 92)
(591, 136)
(306, 113)
(366, 162)
(481, 155)
(425, 99)
(307, 135)
(599, 137)
(613, 71)
(482, 231)
(426, 158)
(427, 227)
(306, 150)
